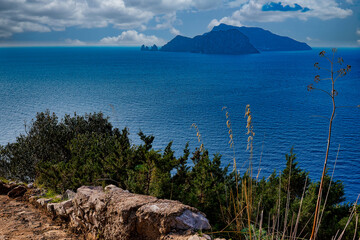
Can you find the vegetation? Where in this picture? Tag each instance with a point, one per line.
(87, 150)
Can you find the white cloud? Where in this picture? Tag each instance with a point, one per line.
(75, 42)
(236, 3)
(358, 31)
(358, 41)
(252, 11)
(18, 16)
(132, 38)
(57, 15)
(225, 20)
(167, 21)
(309, 39)
(174, 31)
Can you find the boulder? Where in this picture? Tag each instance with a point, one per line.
(115, 213)
(18, 191)
(164, 216)
(121, 214)
(61, 209)
(68, 195)
(42, 202)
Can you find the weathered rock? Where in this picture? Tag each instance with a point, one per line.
(121, 214)
(19, 191)
(159, 218)
(62, 209)
(192, 220)
(30, 185)
(68, 195)
(117, 214)
(42, 202)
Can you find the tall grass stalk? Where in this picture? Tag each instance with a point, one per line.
(333, 93)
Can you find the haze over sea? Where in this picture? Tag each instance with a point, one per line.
(163, 93)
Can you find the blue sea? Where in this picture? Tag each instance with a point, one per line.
(163, 94)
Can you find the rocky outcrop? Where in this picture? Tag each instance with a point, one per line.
(114, 213)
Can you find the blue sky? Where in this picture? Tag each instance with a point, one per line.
(330, 23)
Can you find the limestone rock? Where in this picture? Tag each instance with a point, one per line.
(121, 214)
(42, 202)
(68, 195)
(62, 209)
(159, 218)
(117, 214)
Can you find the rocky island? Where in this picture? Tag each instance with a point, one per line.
(227, 39)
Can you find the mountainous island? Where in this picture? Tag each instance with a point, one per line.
(227, 39)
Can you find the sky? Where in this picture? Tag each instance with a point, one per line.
(320, 23)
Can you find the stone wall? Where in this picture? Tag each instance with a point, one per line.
(114, 213)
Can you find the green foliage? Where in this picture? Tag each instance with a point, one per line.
(87, 150)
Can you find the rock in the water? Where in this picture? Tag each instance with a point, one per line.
(19, 191)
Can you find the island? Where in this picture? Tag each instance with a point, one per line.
(231, 40)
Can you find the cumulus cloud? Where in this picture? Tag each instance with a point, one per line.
(358, 31)
(236, 3)
(269, 11)
(226, 20)
(56, 15)
(167, 21)
(75, 42)
(18, 16)
(132, 38)
(164, 6)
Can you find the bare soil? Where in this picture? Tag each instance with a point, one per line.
(19, 221)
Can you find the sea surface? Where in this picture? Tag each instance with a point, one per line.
(164, 93)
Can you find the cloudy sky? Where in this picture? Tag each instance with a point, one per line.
(334, 23)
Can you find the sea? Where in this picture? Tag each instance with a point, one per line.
(163, 94)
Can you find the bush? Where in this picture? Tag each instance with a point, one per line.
(87, 150)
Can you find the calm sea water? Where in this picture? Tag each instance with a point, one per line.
(164, 93)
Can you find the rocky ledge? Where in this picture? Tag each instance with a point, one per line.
(114, 213)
